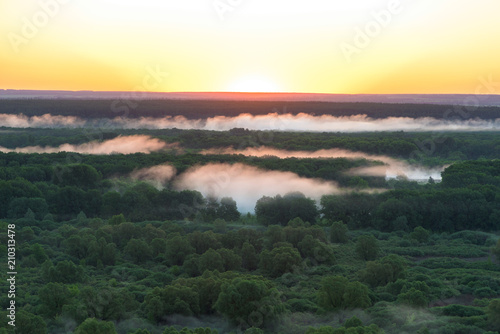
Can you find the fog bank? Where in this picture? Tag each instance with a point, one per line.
(247, 184)
(158, 176)
(393, 168)
(270, 122)
(118, 145)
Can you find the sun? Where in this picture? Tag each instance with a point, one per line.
(254, 84)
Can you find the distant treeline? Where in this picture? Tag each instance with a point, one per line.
(194, 109)
(430, 148)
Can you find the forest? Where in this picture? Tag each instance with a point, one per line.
(133, 105)
(101, 248)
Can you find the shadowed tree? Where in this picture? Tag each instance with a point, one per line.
(93, 326)
(493, 312)
(249, 257)
(338, 233)
(367, 247)
(336, 292)
(249, 303)
(385, 270)
(211, 260)
(280, 210)
(138, 250)
(53, 297)
(27, 323)
(228, 210)
(177, 249)
(280, 260)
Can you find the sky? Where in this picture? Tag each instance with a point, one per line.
(314, 46)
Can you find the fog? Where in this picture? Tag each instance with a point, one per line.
(158, 176)
(393, 168)
(44, 121)
(246, 184)
(118, 145)
(272, 121)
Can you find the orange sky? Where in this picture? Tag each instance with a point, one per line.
(317, 46)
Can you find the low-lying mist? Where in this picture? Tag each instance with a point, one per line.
(270, 122)
(43, 121)
(118, 145)
(247, 184)
(393, 168)
(158, 176)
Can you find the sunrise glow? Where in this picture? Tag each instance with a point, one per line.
(375, 46)
(254, 85)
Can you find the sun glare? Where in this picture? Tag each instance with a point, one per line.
(254, 85)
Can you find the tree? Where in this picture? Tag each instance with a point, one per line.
(204, 241)
(53, 297)
(414, 298)
(220, 225)
(315, 250)
(191, 265)
(354, 209)
(27, 323)
(496, 250)
(250, 303)
(104, 304)
(68, 201)
(228, 210)
(389, 211)
(177, 249)
(93, 326)
(211, 260)
(117, 219)
(19, 206)
(372, 329)
(207, 287)
(282, 259)
(331, 292)
(209, 213)
(254, 330)
(39, 253)
(79, 175)
(102, 252)
(138, 250)
(140, 331)
(66, 272)
(158, 246)
(420, 234)
(356, 295)
(78, 245)
(280, 210)
(383, 271)
(273, 235)
(493, 312)
(123, 233)
(173, 330)
(249, 257)
(230, 259)
(173, 299)
(112, 205)
(367, 247)
(338, 232)
(336, 292)
(353, 322)
(26, 234)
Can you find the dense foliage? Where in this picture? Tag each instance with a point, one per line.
(100, 253)
(202, 108)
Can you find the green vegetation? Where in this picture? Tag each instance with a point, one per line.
(195, 109)
(100, 253)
